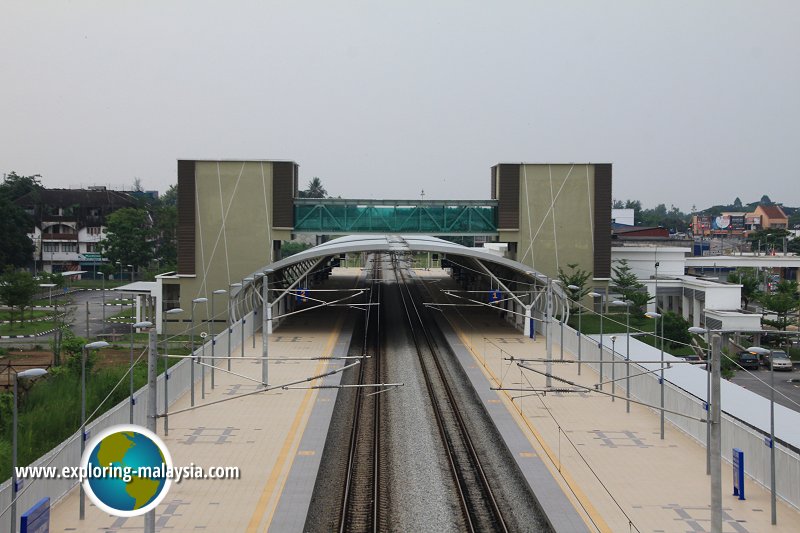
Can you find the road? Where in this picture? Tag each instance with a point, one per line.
(791, 389)
(78, 317)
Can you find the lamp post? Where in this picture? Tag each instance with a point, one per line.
(627, 305)
(152, 409)
(131, 276)
(86, 347)
(50, 292)
(702, 331)
(173, 311)
(137, 325)
(25, 374)
(576, 290)
(213, 335)
(258, 276)
(248, 280)
(602, 303)
(266, 322)
(230, 325)
(191, 374)
(758, 350)
(656, 316)
(613, 366)
(549, 338)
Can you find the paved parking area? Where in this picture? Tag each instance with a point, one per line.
(787, 385)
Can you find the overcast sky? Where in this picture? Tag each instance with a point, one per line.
(693, 102)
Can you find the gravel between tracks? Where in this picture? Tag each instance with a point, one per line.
(420, 487)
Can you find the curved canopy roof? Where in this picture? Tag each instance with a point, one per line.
(400, 244)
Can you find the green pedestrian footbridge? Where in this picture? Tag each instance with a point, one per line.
(338, 216)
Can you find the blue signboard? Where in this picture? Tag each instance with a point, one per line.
(37, 518)
(738, 473)
(768, 442)
(495, 296)
(302, 295)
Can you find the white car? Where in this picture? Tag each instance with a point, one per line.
(781, 361)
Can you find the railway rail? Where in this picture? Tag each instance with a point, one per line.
(476, 498)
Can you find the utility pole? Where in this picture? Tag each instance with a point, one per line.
(716, 435)
(549, 338)
(152, 373)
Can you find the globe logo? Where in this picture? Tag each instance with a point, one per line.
(127, 469)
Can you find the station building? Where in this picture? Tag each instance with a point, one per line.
(233, 216)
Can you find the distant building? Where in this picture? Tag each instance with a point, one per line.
(69, 225)
(702, 301)
(771, 217)
(736, 224)
(622, 216)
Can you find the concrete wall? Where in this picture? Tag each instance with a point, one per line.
(555, 217)
(642, 260)
(727, 297)
(233, 232)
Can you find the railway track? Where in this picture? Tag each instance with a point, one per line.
(364, 508)
(476, 499)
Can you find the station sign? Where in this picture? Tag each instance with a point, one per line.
(738, 473)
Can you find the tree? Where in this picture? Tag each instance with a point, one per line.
(15, 186)
(618, 204)
(769, 238)
(628, 285)
(737, 203)
(748, 279)
(623, 279)
(783, 302)
(129, 237)
(17, 289)
(16, 248)
(576, 277)
(676, 330)
(292, 247)
(165, 218)
(314, 189)
(170, 198)
(765, 200)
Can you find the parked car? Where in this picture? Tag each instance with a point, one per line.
(748, 360)
(781, 361)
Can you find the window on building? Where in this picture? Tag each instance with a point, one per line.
(69, 247)
(92, 247)
(50, 247)
(94, 211)
(93, 230)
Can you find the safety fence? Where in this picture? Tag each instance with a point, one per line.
(68, 453)
(735, 432)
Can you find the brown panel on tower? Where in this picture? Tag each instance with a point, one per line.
(494, 183)
(507, 177)
(602, 220)
(186, 217)
(284, 185)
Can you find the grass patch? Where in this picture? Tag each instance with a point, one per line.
(615, 323)
(29, 313)
(96, 284)
(612, 323)
(50, 409)
(28, 328)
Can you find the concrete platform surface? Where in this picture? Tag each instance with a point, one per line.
(621, 475)
(259, 433)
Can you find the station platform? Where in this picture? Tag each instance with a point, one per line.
(618, 472)
(611, 465)
(260, 434)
